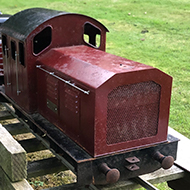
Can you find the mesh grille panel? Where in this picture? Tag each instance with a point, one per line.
(132, 112)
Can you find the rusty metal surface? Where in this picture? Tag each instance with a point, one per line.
(166, 161)
(132, 160)
(112, 175)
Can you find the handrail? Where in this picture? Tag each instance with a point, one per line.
(65, 81)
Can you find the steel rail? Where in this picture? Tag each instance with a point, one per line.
(144, 183)
(41, 139)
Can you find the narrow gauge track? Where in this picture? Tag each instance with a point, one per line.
(41, 142)
(45, 166)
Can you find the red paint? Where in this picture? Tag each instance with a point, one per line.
(100, 73)
(108, 103)
(67, 30)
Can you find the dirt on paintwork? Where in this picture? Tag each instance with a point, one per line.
(46, 181)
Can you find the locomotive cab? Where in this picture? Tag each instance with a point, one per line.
(29, 34)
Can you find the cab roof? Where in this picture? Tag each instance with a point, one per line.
(21, 24)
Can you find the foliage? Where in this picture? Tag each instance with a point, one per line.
(37, 183)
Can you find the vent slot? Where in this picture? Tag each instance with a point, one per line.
(52, 93)
(133, 112)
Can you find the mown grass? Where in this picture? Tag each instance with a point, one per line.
(154, 32)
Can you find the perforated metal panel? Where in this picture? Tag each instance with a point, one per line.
(133, 112)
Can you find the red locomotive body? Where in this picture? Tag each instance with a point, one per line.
(103, 102)
(98, 100)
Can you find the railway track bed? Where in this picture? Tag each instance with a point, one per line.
(54, 163)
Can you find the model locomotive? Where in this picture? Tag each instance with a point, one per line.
(55, 64)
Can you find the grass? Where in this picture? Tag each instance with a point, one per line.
(154, 32)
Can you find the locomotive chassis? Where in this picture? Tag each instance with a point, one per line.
(130, 163)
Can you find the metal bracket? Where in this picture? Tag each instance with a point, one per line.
(132, 160)
(132, 167)
(52, 106)
(17, 83)
(6, 63)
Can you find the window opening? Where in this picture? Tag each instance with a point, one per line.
(4, 44)
(98, 40)
(13, 49)
(42, 40)
(21, 54)
(92, 35)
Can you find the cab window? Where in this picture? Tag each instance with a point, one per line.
(92, 35)
(42, 40)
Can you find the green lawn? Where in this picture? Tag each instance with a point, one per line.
(154, 32)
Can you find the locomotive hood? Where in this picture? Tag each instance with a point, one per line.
(87, 65)
(115, 88)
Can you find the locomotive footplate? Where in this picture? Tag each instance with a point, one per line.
(103, 169)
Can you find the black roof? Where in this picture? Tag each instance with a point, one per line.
(23, 23)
